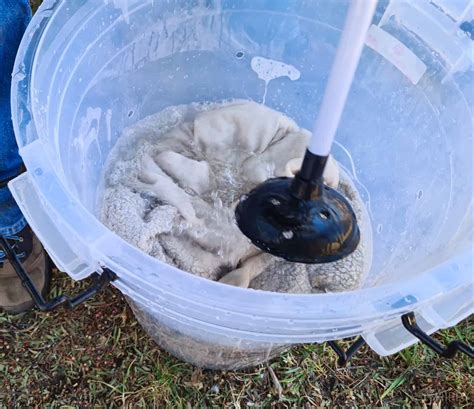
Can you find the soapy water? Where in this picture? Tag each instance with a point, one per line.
(268, 70)
(124, 166)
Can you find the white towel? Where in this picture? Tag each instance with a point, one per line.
(178, 205)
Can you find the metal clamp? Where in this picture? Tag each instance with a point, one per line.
(99, 281)
(345, 356)
(449, 351)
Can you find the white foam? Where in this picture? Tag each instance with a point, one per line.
(268, 70)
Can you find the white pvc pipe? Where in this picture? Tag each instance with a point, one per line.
(345, 64)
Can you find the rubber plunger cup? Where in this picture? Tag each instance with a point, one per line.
(301, 219)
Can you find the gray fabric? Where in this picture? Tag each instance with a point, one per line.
(177, 202)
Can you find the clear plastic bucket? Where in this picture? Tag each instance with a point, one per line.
(86, 70)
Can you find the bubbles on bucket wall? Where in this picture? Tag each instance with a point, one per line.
(87, 134)
(87, 146)
(268, 70)
(123, 6)
(108, 121)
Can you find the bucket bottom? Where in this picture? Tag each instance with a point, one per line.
(232, 355)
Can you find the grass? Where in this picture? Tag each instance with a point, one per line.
(98, 355)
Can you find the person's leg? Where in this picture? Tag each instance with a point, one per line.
(14, 17)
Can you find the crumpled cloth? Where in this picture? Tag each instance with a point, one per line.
(178, 205)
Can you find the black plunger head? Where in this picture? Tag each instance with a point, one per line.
(300, 219)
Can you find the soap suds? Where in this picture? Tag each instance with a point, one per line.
(174, 179)
(268, 70)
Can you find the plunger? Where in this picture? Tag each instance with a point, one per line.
(301, 219)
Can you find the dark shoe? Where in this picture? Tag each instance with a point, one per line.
(14, 298)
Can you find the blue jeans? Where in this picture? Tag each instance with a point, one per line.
(14, 17)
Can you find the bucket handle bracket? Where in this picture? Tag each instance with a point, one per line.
(99, 281)
(448, 351)
(409, 322)
(345, 356)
